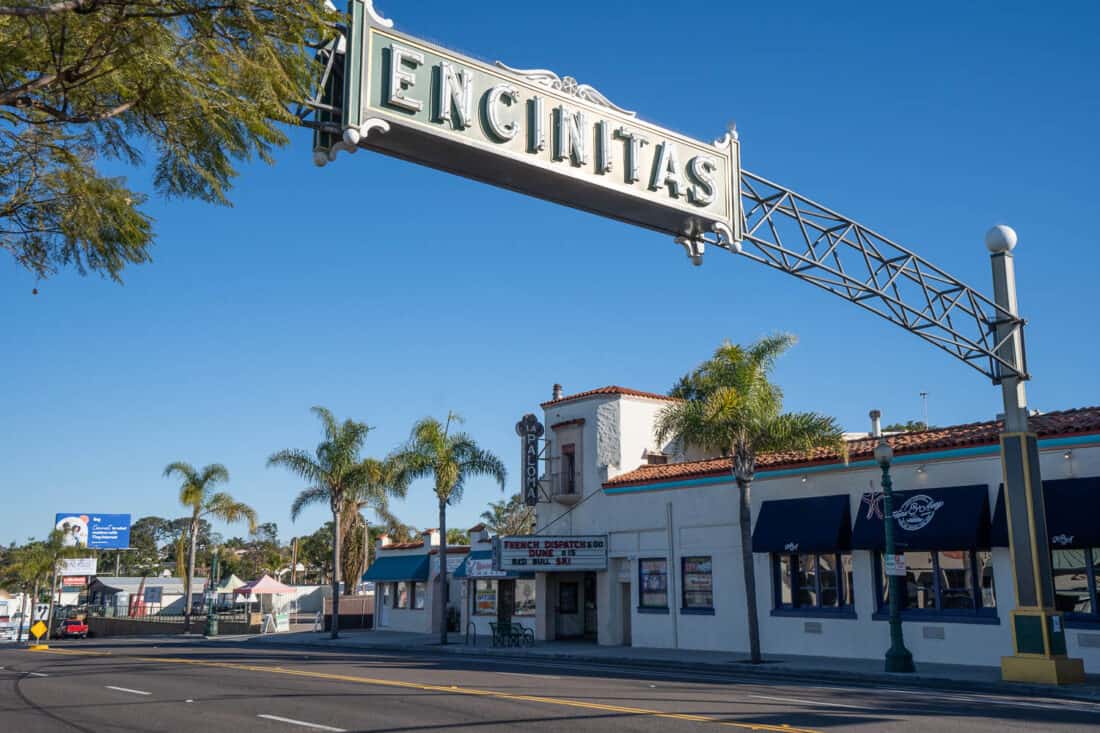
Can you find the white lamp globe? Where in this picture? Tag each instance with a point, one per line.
(1000, 238)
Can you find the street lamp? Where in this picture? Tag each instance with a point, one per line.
(212, 581)
(898, 658)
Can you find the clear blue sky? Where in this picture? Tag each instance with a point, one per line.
(388, 292)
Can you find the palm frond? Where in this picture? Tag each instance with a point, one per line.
(226, 508)
(308, 497)
(299, 463)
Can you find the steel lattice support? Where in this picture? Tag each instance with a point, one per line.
(791, 233)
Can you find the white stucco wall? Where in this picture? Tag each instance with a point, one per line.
(704, 522)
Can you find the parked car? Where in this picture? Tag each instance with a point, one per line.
(72, 629)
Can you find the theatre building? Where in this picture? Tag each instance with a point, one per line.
(671, 575)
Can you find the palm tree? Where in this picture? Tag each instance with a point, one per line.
(450, 460)
(379, 481)
(511, 517)
(197, 493)
(30, 568)
(336, 474)
(52, 552)
(729, 405)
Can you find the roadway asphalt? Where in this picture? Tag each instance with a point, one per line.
(196, 686)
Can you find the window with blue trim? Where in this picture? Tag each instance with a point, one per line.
(813, 581)
(1075, 580)
(942, 583)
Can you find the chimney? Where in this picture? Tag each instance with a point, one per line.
(876, 425)
(431, 538)
(383, 541)
(557, 393)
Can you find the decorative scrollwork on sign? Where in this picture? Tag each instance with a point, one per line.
(376, 16)
(566, 85)
(719, 235)
(351, 139)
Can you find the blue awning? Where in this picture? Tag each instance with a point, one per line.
(408, 567)
(1072, 506)
(949, 518)
(811, 524)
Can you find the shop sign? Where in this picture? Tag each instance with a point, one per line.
(453, 561)
(77, 566)
(528, 130)
(917, 512)
(74, 581)
(529, 430)
(894, 564)
(550, 553)
(482, 568)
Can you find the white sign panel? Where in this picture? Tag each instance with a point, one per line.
(895, 564)
(482, 568)
(453, 561)
(537, 553)
(79, 566)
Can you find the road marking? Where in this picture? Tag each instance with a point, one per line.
(37, 674)
(127, 689)
(559, 701)
(301, 723)
(807, 702)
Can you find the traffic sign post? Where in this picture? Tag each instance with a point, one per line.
(39, 630)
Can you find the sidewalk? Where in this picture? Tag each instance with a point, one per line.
(790, 668)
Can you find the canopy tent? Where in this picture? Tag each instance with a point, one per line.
(230, 584)
(275, 601)
(265, 586)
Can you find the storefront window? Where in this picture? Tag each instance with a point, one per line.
(698, 582)
(653, 575)
(485, 597)
(418, 595)
(402, 595)
(1075, 580)
(943, 582)
(813, 581)
(525, 598)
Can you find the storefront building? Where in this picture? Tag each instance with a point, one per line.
(492, 596)
(674, 579)
(406, 579)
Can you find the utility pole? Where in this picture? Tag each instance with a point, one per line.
(924, 409)
(1038, 631)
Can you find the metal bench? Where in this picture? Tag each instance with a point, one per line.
(511, 635)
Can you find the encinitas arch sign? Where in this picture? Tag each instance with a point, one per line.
(530, 131)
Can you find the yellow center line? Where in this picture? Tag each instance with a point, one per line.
(448, 689)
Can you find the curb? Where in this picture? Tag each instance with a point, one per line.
(735, 670)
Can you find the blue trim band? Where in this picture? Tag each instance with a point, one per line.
(983, 450)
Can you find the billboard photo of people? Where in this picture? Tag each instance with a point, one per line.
(95, 531)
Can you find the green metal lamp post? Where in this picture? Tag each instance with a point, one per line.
(898, 658)
(211, 616)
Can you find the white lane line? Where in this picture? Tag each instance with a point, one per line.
(127, 689)
(37, 674)
(302, 723)
(807, 702)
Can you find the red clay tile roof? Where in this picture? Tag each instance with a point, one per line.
(477, 527)
(404, 545)
(610, 390)
(1084, 420)
(450, 549)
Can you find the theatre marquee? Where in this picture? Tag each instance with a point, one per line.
(537, 553)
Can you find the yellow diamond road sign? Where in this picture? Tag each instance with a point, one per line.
(38, 630)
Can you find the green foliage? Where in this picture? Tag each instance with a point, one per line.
(198, 86)
(729, 405)
(449, 459)
(456, 536)
(910, 426)
(337, 475)
(512, 517)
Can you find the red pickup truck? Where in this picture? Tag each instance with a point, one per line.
(73, 629)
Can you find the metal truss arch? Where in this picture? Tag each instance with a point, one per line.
(796, 235)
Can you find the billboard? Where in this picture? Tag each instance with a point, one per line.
(96, 531)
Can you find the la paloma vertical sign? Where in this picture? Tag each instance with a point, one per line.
(529, 430)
